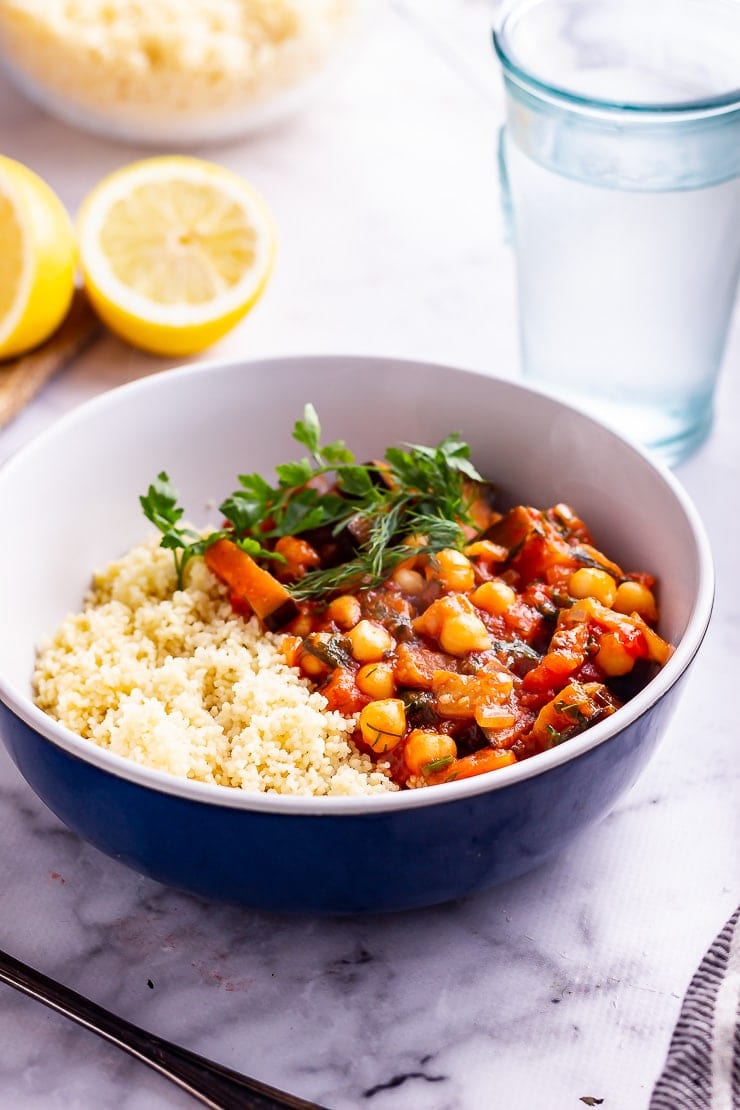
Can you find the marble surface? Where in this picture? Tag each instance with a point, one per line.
(561, 985)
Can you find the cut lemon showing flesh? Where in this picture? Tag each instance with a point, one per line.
(37, 259)
(174, 251)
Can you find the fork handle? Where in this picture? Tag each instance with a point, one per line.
(207, 1081)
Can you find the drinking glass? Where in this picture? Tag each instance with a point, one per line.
(620, 163)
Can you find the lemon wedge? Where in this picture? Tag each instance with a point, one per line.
(174, 251)
(37, 259)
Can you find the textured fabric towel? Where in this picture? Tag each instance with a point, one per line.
(702, 1071)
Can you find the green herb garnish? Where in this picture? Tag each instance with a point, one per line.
(420, 708)
(416, 490)
(571, 710)
(160, 507)
(554, 736)
(587, 560)
(515, 649)
(437, 765)
(334, 652)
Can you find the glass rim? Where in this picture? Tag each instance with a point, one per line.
(702, 106)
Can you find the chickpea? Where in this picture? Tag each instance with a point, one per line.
(409, 581)
(633, 597)
(310, 666)
(376, 680)
(345, 611)
(591, 582)
(462, 633)
(431, 620)
(612, 657)
(383, 723)
(369, 641)
(309, 663)
(414, 540)
(495, 597)
(301, 626)
(453, 570)
(425, 748)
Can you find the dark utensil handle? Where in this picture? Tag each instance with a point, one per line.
(205, 1080)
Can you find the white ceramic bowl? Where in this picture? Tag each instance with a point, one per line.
(70, 504)
(88, 92)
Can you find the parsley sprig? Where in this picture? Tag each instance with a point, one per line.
(415, 490)
(160, 507)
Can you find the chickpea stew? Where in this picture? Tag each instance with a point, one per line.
(459, 637)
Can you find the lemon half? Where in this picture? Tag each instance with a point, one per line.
(174, 251)
(37, 259)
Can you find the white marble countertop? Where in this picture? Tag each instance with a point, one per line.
(563, 984)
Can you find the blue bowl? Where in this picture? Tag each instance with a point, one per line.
(329, 855)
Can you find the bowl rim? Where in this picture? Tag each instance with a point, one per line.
(22, 706)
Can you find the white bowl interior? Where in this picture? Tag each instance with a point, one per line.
(69, 500)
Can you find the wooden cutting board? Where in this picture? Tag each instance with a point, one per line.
(22, 378)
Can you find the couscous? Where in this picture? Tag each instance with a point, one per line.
(168, 60)
(177, 681)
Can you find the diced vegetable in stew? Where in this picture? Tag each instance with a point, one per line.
(461, 638)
